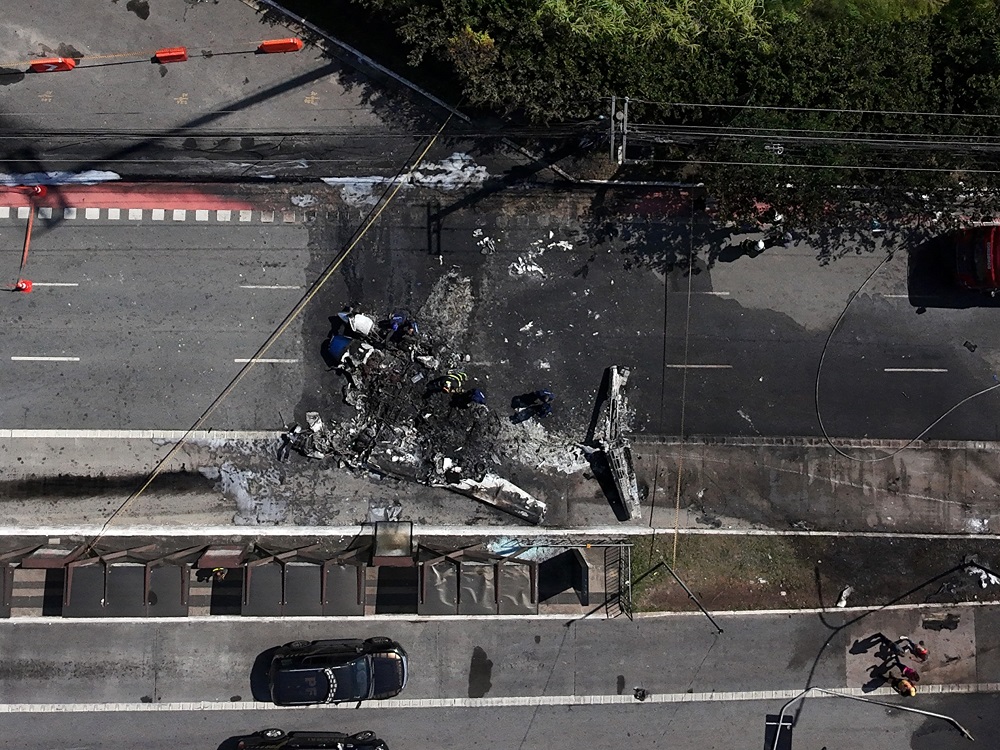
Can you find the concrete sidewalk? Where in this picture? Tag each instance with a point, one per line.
(944, 487)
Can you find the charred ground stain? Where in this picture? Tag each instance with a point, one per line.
(139, 7)
(10, 75)
(480, 673)
(67, 486)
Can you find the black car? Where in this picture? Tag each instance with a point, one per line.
(277, 738)
(308, 672)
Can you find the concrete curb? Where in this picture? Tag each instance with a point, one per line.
(812, 442)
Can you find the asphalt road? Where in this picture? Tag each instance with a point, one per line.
(225, 113)
(575, 666)
(151, 323)
(830, 723)
(161, 313)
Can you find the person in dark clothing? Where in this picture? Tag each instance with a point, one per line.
(535, 404)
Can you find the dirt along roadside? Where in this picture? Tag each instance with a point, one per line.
(747, 572)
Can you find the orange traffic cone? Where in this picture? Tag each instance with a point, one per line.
(23, 285)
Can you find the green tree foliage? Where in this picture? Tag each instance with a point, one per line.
(838, 73)
(645, 22)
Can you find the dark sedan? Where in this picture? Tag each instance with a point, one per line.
(269, 739)
(308, 672)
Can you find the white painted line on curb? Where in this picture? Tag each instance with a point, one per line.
(159, 214)
(699, 367)
(159, 435)
(55, 283)
(92, 213)
(915, 369)
(530, 537)
(271, 361)
(135, 214)
(114, 214)
(714, 294)
(245, 215)
(45, 212)
(223, 215)
(4, 212)
(269, 286)
(201, 214)
(486, 702)
(69, 213)
(180, 214)
(896, 296)
(46, 359)
(23, 212)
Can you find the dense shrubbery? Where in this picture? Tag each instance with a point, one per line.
(547, 61)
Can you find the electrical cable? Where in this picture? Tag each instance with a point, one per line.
(684, 376)
(273, 337)
(774, 108)
(786, 165)
(819, 372)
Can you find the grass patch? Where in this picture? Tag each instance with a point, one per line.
(734, 572)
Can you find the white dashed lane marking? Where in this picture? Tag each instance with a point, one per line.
(45, 359)
(269, 286)
(271, 361)
(699, 367)
(915, 369)
(55, 283)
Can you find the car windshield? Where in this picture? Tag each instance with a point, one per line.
(390, 675)
(305, 686)
(352, 681)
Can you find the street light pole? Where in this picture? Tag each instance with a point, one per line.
(804, 693)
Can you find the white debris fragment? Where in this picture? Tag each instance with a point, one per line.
(314, 421)
(842, 601)
(762, 580)
(543, 365)
(527, 326)
(304, 201)
(985, 577)
(87, 177)
(525, 266)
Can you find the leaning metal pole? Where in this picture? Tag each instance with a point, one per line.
(804, 693)
(691, 595)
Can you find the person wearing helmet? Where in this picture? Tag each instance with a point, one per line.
(904, 687)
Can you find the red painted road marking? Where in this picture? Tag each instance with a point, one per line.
(126, 195)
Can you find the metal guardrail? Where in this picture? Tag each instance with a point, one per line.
(618, 580)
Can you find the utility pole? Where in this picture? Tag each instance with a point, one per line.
(619, 124)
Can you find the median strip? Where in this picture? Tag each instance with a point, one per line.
(490, 702)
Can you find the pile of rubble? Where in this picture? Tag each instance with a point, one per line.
(413, 416)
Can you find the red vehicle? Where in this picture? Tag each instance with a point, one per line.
(977, 254)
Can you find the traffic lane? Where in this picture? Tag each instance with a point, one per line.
(884, 391)
(177, 661)
(716, 725)
(748, 370)
(145, 379)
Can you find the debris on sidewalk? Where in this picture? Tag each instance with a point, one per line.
(985, 577)
(846, 592)
(610, 437)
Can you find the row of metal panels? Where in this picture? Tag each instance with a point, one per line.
(137, 590)
(443, 587)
